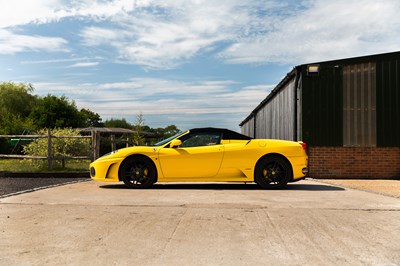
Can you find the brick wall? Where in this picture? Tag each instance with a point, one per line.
(354, 162)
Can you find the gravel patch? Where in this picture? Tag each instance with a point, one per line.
(10, 186)
(384, 187)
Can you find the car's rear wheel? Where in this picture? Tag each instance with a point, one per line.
(138, 172)
(273, 172)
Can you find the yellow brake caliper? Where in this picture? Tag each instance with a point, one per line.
(145, 173)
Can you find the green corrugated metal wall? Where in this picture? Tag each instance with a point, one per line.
(322, 106)
(322, 101)
(388, 101)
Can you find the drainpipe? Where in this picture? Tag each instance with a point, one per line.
(254, 124)
(296, 87)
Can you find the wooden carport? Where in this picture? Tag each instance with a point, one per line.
(98, 133)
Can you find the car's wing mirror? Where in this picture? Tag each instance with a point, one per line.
(175, 143)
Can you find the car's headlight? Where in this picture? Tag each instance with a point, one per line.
(110, 153)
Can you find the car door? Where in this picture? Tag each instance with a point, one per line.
(199, 156)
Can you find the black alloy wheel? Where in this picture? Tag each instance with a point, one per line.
(273, 172)
(138, 172)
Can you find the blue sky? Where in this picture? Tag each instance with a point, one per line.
(191, 63)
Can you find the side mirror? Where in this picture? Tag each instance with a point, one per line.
(175, 143)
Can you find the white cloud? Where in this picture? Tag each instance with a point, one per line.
(17, 13)
(11, 43)
(60, 60)
(166, 34)
(162, 97)
(21, 12)
(84, 64)
(169, 34)
(255, 32)
(322, 30)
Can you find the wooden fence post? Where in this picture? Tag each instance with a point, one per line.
(95, 145)
(113, 143)
(92, 152)
(49, 151)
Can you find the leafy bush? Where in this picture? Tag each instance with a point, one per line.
(61, 147)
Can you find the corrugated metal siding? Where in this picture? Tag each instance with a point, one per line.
(248, 128)
(322, 106)
(321, 110)
(276, 119)
(388, 101)
(359, 105)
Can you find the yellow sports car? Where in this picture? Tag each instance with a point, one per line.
(205, 155)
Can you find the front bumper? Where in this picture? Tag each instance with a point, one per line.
(105, 170)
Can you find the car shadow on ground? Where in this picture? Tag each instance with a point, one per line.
(230, 186)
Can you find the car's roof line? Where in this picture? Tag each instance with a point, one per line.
(226, 133)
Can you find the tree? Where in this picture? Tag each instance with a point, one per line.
(90, 119)
(16, 103)
(138, 138)
(16, 99)
(122, 123)
(55, 112)
(19, 109)
(14, 124)
(170, 130)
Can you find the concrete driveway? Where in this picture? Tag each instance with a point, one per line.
(215, 224)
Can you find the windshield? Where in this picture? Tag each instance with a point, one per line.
(167, 140)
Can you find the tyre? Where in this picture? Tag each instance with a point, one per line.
(273, 172)
(138, 172)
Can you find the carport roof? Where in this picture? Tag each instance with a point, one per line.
(113, 130)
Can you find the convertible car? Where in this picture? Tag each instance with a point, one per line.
(205, 155)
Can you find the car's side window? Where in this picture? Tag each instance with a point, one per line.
(201, 139)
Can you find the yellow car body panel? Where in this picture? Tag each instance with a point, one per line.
(227, 161)
(190, 162)
(107, 167)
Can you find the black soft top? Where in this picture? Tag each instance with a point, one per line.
(226, 133)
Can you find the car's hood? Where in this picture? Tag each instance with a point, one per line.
(124, 152)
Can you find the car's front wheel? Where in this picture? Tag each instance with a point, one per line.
(272, 172)
(138, 172)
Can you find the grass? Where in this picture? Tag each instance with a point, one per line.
(17, 165)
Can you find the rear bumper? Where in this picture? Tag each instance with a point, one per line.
(300, 167)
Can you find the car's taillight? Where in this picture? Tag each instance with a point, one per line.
(303, 144)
